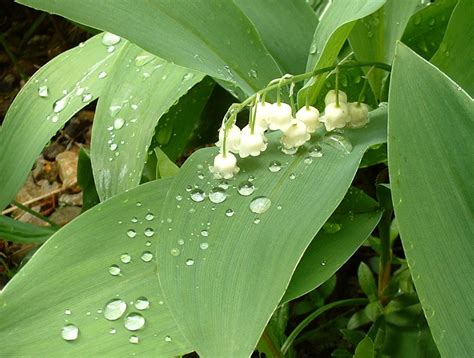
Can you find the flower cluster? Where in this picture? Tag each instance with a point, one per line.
(296, 128)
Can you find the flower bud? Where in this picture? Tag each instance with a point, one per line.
(251, 143)
(331, 97)
(335, 116)
(233, 138)
(295, 135)
(225, 165)
(280, 117)
(359, 113)
(263, 112)
(310, 117)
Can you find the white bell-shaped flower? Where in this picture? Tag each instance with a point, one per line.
(263, 113)
(295, 135)
(331, 97)
(281, 117)
(233, 138)
(335, 116)
(225, 165)
(359, 113)
(251, 143)
(309, 116)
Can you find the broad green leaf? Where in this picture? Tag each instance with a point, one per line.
(165, 167)
(42, 108)
(211, 36)
(177, 128)
(367, 281)
(455, 54)
(24, 233)
(85, 179)
(329, 37)
(365, 349)
(68, 282)
(426, 27)
(430, 173)
(141, 88)
(286, 28)
(350, 225)
(374, 37)
(225, 271)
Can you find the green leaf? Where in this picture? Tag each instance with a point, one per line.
(430, 175)
(426, 27)
(218, 271)
(355, 218)
(165, 167)
(455, 54)
(177, 128)
(23, 233)
(31, 121)
(329, 37)
(211, 36)
(141, 88)
(286, 28)
(35, 304)
(367, 281)
(365, 349)
(374, 37)
(85, 179)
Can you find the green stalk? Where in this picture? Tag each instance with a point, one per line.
(291, 338)
(36, 214)
(337, 86)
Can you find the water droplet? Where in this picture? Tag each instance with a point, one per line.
(217, 195)
(417, 20)
(134, 219)
(256, 221)
(109, 39)
(114, 110)
(114, 270)
(312, 49)
(168, 339)
(229, 212)
(102, 74)
(175, 252)
(179, 197)
(134, 321)
(54, 119)
(110, 49)
(131, 233)
(252, 73)
(289, 151)
(149, 217)
(142, 303)
(246, 188)
(147, 256)
(292, 176)
(134, 339)
(86, 97)
(43, 91)
(224, 184)
(260, 204)
(197, 195)
(113, 147)
(60, 104)
(114, 309)
(70, 332)
(339, 142)
(331, 227)
(274, 166)
(148, 243)
(188, 76)
(125, 258)
(189, 262)
(205, 233)
(316, 152)
(112, 331)
(118, 123)
(308, 160)
(432, 22)
(149, 232)
(323, 263)
(67, 312)
(138, 204)
(203, 245)
(180, 242)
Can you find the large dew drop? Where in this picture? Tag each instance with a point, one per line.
(109, 39)
(70, 332)
(260, 204)
(43, 91)
(60, 104)
(316, 152)
(149, 232)
(274, 166)
(147, 256)
(134, 339)
(197, 195)
(246, 188)
(125, 258)
(142, 303)
(339, 142)
(118, 123)
(114, 270)
(114, 309)
(131, 233)
(217, 195)
(134, 321)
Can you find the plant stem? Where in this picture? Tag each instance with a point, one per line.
(289, 341)
(337, 86)
(36, 214)
(364, 86)
(385, 255)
